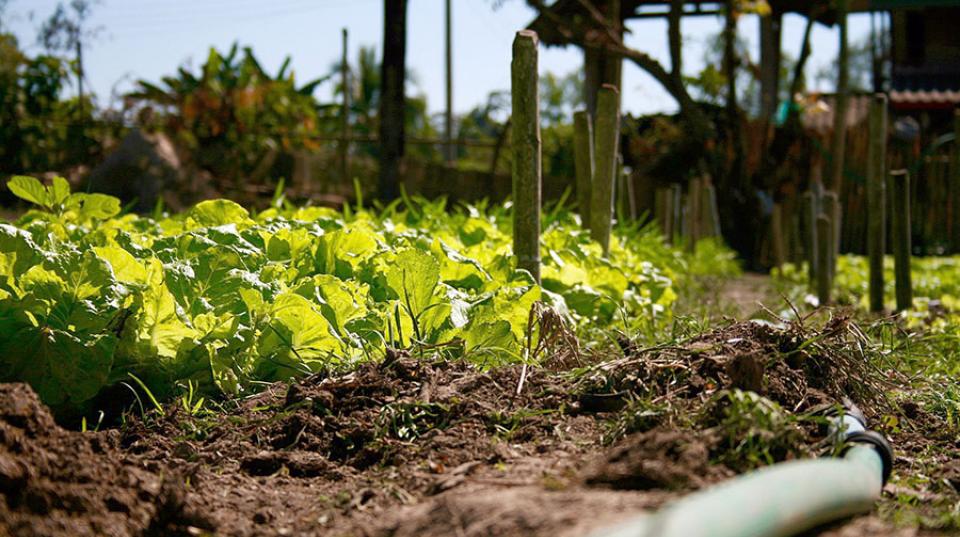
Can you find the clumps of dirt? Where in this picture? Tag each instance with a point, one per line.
(526, 510)
(421, 447)
(725, 401)
(56, 482)
(332, 452)
(388, 413)
(798, 367)
(657, 459)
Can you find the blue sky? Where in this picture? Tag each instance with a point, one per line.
(150, 38)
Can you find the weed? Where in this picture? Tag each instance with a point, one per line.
(409, 421)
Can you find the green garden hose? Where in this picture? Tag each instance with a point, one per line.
(781, 500)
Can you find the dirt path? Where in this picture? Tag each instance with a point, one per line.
(746, 292)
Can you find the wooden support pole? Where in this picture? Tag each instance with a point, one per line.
(525, 139)
(344, 145)
(694, 199)
(629, 192)
(583, 162)
(659, 209)
(830, 204)
(449, 149)
(900, 227)
(824, 281)
(839, 142)
(776, 234)
(709, 210)
(605, 168)
(810, 212)
(393, 71)
(676, 206)
(955, 183)
(796, 233)
(876, 198)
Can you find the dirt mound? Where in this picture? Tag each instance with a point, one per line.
(657, 459)
(420, 447)
(333, 454)
(55, 482)
(497, 512)
(798, 368)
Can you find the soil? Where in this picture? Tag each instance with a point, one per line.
(414, 447)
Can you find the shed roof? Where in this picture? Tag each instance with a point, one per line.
(550, 34)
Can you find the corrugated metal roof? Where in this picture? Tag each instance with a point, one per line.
(925, 98)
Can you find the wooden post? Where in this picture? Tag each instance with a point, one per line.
(676, 206)
(526, 152)
(344, 145)
(393, 72)
(839, 142)
(710, 214)
(628, 191)
(955, 183)
(776, 234)
(694, 198)
(660, 209)
(605, 169)
(810, 213)
(667, 218)
(830, 207)
(796, 233)
(824, 280)
(770, 44)
(876, 198)
(900, 220)
(448, 113)
(583, 162)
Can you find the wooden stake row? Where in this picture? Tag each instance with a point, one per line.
(595, 152)
(693, 216)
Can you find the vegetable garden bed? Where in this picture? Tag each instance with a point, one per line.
(387, 372)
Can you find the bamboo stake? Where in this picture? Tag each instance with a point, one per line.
(876, 194)
(526, 152)
(824, 282)
(605, 168)
(583, 162)
(900, 220)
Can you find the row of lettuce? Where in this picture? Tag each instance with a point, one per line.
(225, 299)
(935, 282)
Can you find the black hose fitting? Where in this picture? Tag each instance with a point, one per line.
(850, 427)
(879, 443)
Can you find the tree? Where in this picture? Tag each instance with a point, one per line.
(596, 31)
(233, 117)
(66, 31)
(39, 130)
(392, 100)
